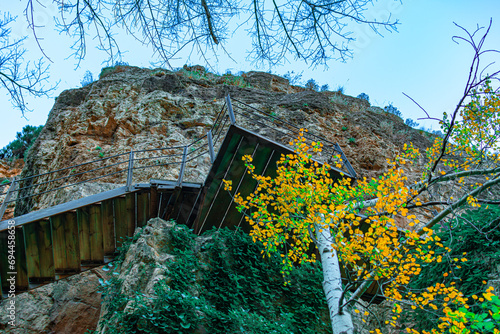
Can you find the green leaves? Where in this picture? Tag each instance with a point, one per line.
(485, 321)
(225, 287)
(18, 148)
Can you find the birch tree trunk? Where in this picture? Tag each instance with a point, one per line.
(332, 283)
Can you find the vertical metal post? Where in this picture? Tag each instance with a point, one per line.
(211, 146)
(12, 189)
(345, 161)
(230, 110)
(181, 172)
(130, 170)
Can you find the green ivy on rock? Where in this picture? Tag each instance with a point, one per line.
(222, 285)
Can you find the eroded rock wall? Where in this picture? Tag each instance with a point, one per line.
(131, 108)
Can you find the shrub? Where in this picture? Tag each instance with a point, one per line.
(87, 79)
(438, 133)
(325, 88)
(117, 67)
(411, 123)
(18, 148)
(293, 78)
(364, 96)
(340, 89)
(393, 110)
(311, 84)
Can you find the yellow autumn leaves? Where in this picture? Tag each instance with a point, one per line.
(286, 211)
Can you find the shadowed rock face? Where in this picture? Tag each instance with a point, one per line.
(68, 306)
(131, 109)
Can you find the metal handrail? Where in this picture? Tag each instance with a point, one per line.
(158, 149)
(69, 185)
(261, 120)
(197, 140)
(158, 165)
(71, 175)
(66, 168)
(323, 140)
(158, 157)
(221, 112)
(197, 156)
(12, 188)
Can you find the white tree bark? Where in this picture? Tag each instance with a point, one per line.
(332, 283)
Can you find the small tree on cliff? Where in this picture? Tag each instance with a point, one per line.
(354, 224)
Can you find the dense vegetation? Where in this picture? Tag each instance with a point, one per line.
(476, 235)
(226, 287)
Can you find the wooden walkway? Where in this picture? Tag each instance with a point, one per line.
(69, 238)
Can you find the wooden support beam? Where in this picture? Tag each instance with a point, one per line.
(124, 218)
(108, 227)
(83, 218)
(131, 218)
(96, 237)
(142, 209)
(39, 252)
(13, 271)
(120, 204)
(90, 232)
(66, 243)
(153, 202)
(187, 206)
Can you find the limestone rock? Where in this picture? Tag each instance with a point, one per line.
(131, 108)
(144, 263)
(71, 305)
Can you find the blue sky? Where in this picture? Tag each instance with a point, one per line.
(420, 60)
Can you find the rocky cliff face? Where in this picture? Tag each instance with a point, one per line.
(131, 108)
(71, 305)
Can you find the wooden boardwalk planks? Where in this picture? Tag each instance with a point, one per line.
(39, 251)
(214, 179)
(66, 243)
(235, 172)
(18, 270)
(90, 235)
(108, 227)
(264, 157)
(125, 217)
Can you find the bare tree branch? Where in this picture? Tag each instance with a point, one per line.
(18, 77)
(459, 203)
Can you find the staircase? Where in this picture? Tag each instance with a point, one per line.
(65, 239)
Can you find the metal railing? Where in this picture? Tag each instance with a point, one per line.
(38, 191)
(284, 132)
